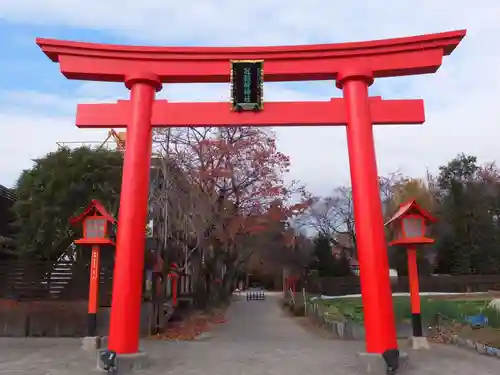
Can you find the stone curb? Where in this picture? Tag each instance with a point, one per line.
(478, 347)
(347, 329)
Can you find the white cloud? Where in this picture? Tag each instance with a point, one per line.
(461, 99)
(26, 137)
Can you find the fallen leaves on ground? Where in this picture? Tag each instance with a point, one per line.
(438, 337)
(192, 326)
(486, 335)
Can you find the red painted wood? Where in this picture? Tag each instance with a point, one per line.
(370, 236)
(325, 113)
(385, 58)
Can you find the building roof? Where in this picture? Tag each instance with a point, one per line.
(7, 193)
(7, 200)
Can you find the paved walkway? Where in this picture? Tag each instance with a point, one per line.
(257, 339)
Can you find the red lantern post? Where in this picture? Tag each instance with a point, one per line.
(411, 253)
(293, 284)
(94, 288)
(97, 223)
(172, 276)
(410, 225)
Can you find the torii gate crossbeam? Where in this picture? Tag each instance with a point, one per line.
(326, 113)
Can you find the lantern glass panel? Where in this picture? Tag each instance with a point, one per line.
(95, 228)
(101, 227)
(413, 226)
(90, 229)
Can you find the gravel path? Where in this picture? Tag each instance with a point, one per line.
(257, 339)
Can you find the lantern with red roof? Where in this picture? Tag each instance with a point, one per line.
(411, 223)
(97, 225)
(97, 231)
(411, 226)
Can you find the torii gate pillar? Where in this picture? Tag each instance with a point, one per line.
(133, 212)
(369, 222)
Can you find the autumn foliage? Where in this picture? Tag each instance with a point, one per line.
(241, 173)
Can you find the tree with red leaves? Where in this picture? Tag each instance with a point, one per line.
(240, 172)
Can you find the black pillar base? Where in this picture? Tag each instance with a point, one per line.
(91, 324)
(391, 358)
(416, 320)
(391, 362)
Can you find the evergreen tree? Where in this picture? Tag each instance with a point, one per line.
(326, 264)
(60, 185)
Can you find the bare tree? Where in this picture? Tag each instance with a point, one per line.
(333, 216)
(215, 188)
(180, 211)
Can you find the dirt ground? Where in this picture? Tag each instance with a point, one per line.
(486, 335)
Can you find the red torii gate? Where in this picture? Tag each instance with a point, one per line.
(354, 66)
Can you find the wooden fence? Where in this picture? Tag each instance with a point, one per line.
(32, 280)
(67, 280)
(41, 298)
(337, 286)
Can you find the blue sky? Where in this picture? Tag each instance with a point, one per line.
(37, 104)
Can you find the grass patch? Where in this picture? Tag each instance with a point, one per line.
(352, 308)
